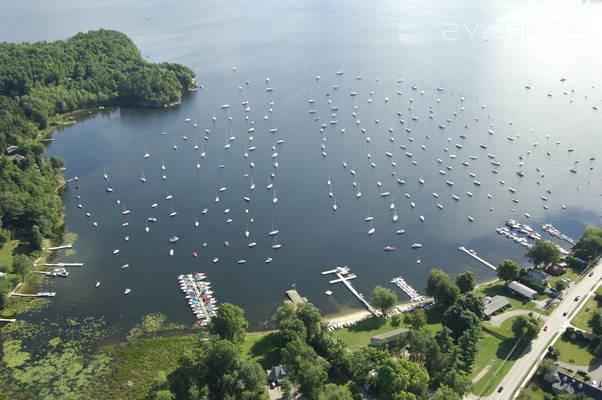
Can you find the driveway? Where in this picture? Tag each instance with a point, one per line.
(497, 320)
(594, 371)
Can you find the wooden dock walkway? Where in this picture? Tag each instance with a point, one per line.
(67, 246)
(473, 254)
(62, 265)
(295, 296)
(344, 275)
(41, 294)
(7, 320)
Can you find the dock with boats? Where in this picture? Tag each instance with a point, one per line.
(199, 295)
(408, 289)
(61, 272)
(473, 254)
(40, 294)
(344, 275)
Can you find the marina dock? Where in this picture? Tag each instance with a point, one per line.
(344, 275)
(295, 296)
(67, 246)
(41, 294)
(62, 265)
(473, 254)
(409, 290)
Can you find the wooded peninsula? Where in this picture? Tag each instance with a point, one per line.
(39, 83)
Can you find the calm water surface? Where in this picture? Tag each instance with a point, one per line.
(484, 53)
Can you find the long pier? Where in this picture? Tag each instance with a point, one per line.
(41, 294)
(62, 265)
(67, 246)
(344, 275)
(473, 254)
(7, 320)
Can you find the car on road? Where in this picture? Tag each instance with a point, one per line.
(577, 298)
(500, 389)
(545, 328)
(582, 372)
(564, 313)
(591, 273)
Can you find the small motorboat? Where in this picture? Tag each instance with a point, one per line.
(416, 245)
(268, 260)
(127, 291)
(389, 248)
(194, 254)
(215, 260)
(242, 261)
(97, 284)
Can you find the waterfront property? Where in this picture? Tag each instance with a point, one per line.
(538, 276)
(495, 304)
(388, 337)
(522, 290)
(563, 383)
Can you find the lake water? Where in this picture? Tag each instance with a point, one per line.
(482, 54)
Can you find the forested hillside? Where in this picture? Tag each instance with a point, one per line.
(40, 80)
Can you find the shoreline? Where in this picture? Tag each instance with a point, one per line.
(356, 315)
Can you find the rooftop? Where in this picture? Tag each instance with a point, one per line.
(522, 289)
(494, 304)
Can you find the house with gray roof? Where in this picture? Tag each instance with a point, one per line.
(539, 276)
(495, 304)
(522, 290)
(276, 374)
(563, 383)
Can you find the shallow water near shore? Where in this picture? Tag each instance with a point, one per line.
(291, 44)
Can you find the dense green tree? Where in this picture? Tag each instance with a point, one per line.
(286, 389)
(467, 347)
(442, 289)
(285, 311)
(465, 281)
(397, 377)
(472, 302)
(560, 285)
(37, 239)
(164, 395)
(336, 392)
(416, 319)
(396, 320)
(543, 252)
(526, 327)
(445, 393)
(3, 298)
(508, 270)
(383, 298)
(57, 162)
(595, 322)
(312, 320)
(362, 362)
(459, 320)
(545, 367)
(457, 380)
(445, 340)
(589, 246)
(229, 323)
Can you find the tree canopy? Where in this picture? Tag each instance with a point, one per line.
(543, 252)
(526, 326)
(589, 246)
(442, 289)
(383, 298)
(229, 323)
(465, 281)
(508, 270)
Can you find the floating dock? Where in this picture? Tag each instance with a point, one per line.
(67, 246)
(473, 254)
(409, 290)
(295, 296)
(41, 294)
(74, 179)
(62, 265)
(344, 275)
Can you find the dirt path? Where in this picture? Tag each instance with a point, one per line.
(483, 372)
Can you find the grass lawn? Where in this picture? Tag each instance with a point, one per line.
(6, 253)
(359, 336)
(537, 388)
(263, 348)
(570, 273)
(499, 288)
(492, 352)
(575, 352)
(505, 329)
(140, 361)
(586, 313)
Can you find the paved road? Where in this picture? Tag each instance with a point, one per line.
(497, 320)
(556, 324)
